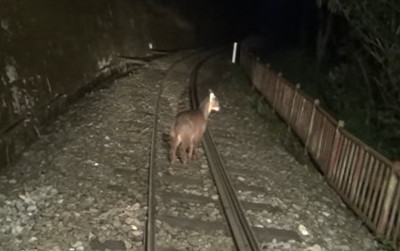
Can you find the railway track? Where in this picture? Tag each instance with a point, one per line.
(196, 202)
(83, 185)
(247, 173)
(228, 199)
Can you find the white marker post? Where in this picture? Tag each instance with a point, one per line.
(234, 52)
(150, 46)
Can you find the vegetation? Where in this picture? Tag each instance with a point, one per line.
(354, 68)
(373, 53)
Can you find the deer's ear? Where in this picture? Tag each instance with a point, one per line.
(211, 94)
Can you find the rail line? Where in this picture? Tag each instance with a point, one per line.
(166, 185)
(246, 179)
(150, 224)
(240, 228)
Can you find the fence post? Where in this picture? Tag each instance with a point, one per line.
(390, 192)
(311, 125)
(276, 91)
(357, 173)
(262, 78)
(333, 160)
(321, 133)
(292, 107)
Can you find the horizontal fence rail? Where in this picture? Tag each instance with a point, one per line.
(366, 180)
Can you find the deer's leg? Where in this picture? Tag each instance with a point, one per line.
(174, 145)
(183, 150)
(194, 152)
(195, 155)
(191, 149)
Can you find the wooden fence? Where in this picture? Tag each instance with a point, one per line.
(366, 180)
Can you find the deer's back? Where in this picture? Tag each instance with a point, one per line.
(190, 124)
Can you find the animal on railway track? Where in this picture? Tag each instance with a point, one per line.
(188, 129)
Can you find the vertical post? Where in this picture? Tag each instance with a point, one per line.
(357, 173)
(333, 160)
(390, 192)
(266, 80)
(310, 126)
(150, 46)
(276, 91)
(320, 136)
(261, 79)
(234, 52)
(292, 107)
(300, 123)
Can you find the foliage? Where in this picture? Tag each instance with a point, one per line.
(387, 245)
(332, 5)
(374, 46)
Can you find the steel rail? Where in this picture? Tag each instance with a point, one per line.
(150, 224)
(240, 228)
(149, 238)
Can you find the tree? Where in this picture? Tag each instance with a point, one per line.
(375, 29)
(326, 10)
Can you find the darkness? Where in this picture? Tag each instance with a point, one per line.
(55, 52)
(286, 22)
(65, 44)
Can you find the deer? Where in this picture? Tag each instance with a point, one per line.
(188, 128)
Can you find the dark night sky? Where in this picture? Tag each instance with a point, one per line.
(284, 17)
(285, 20)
